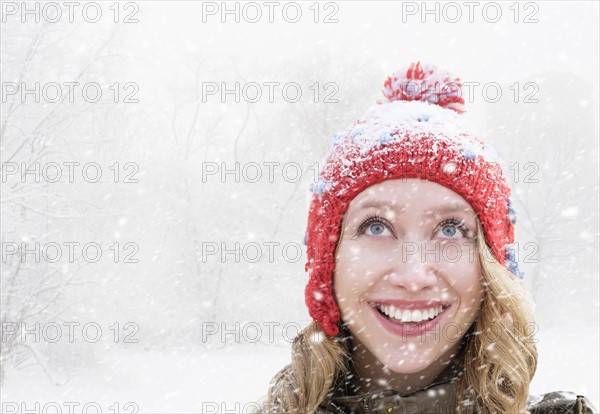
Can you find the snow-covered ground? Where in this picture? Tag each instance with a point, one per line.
(231, 379)
(157, 382)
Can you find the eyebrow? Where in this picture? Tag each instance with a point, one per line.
(399, 209)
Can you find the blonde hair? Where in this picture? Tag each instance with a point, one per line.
(500, 353)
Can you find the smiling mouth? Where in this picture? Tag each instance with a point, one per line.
(397, 314)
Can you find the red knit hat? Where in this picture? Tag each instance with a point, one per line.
(416, 132)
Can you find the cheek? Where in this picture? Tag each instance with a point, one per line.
(471, 295)
(346, 273)
(464, 276)
(351, 261)
(355, 272)
(461, 263)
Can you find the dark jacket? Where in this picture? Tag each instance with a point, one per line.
(439, 397)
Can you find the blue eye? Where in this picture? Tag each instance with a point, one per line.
(374, 226)
(449, 231)
(453, 228)
(377, 228)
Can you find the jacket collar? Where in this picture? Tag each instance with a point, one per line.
(437, 397)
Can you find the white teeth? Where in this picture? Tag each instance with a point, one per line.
(410, 316)
(406, 316)
(416, 316)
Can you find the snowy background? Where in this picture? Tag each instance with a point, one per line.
(162, 322)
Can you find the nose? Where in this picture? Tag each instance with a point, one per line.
(411, 270)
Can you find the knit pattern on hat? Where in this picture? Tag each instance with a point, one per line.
(404, 139)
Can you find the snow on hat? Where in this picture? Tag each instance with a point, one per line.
(416, 132)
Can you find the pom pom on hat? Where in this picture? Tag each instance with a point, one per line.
(425, 83)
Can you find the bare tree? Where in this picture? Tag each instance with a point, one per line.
(34, 290)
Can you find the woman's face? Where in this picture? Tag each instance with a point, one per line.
(407, 278)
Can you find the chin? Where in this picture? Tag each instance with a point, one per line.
(408, 362)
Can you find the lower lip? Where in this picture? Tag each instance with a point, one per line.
(408, 328)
